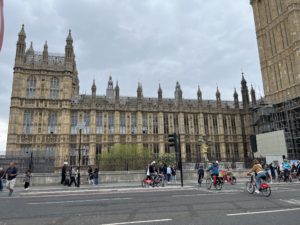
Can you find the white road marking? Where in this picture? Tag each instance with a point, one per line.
(142, 221)
(207, 194)
(76, 201)
(291, 201)
(263, 212)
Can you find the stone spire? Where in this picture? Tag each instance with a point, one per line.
(110, 92)
(117, 93)
(21, 46)
(236, 99)
(45, 53)
(139, 91)
(94, 89)
(159, 93)
(253, 96)
(245, 92)
(178, 93)
(30, 50)
(218, 98)
(69, 52)
(199, 96)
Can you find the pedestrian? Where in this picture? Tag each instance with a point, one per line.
(294, 168)
(169, 173)
(200, 175)
(298, 170)
(90, 175)
(286, 169)
(27, 180)
(269, 172)
(72, 176)
(96, 176)
(63, 173)
(164, 171)
(12, 173)
(173, 168)
(2, 175)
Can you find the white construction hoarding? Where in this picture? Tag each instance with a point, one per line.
(271, 145)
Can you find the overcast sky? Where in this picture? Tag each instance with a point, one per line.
(149, 41)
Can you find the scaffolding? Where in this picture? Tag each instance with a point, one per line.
(287, 117)
(284, 116)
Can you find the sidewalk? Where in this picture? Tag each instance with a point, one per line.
(110, 186)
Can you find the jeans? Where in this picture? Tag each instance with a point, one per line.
(168, 177)
(258, 178)
(286, 174)
(96, 181)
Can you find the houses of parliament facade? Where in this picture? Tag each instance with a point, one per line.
(47, 113)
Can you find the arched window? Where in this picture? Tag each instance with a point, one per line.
(31, 84)
(54, 88)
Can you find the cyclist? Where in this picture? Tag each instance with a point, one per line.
(214, 168)
(286, 169)
(259, 173)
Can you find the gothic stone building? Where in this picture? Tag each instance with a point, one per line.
(277, 25)
(47, 111)
(278, 39)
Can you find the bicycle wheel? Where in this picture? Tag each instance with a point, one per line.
(208, 183)
(250, 187)
(266, 191)
(233, 180)
(218, 185)
(145, 184)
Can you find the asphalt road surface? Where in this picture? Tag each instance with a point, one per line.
(162, 206)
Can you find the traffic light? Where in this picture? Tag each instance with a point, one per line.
(172, 140)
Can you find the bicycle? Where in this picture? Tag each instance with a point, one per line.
(217, 183)
(228, 177)
(265, 188)
(157, 181)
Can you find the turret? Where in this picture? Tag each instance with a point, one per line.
(253, 96)
(159, 93)
(178, 94)
(139, 92)
(29, 55)
(199, 96)
(94, 89)
(69, 52)
(21, 46)
(236, 99)
(117, 93)
(245, 93)
(45, 53)
(218, 98)
(110, 92)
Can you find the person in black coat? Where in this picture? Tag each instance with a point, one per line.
(200, 174)
(63, 173)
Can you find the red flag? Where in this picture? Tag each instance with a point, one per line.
(1, 23)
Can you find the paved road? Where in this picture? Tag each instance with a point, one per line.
(165, 206)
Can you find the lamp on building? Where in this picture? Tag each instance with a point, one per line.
(79, 127)
(31, 160)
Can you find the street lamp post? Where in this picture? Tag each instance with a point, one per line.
(79, 159)
(79, 127)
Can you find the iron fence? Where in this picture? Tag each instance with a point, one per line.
(38, 162)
